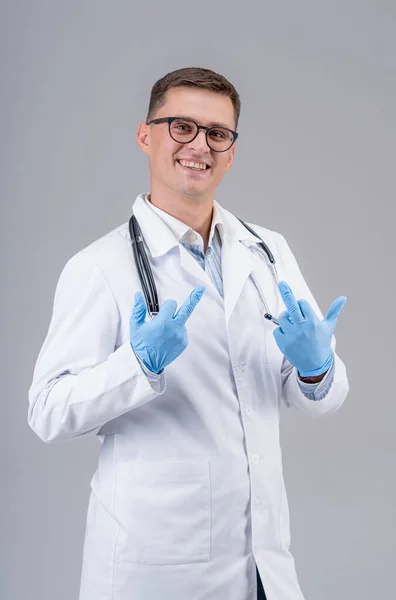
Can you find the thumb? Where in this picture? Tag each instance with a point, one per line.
(335, 310)
(139, 309)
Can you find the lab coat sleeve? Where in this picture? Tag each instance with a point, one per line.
(82, 379)
(292, 395)
(317, 391)
(151, 376)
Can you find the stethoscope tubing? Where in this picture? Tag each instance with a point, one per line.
(143, 266)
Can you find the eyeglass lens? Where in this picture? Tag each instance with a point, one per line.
(183, 131)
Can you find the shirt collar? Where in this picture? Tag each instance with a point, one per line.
(182, 232)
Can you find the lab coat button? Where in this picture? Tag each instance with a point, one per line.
(255, 458)
(248, 409)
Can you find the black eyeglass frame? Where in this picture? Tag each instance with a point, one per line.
(207, 129)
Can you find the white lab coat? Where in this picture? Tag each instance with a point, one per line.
(188, 495)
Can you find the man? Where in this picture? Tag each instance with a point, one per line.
(188, 499)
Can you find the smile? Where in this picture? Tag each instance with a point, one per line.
(191, 166)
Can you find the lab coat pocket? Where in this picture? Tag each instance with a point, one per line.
(163, 508)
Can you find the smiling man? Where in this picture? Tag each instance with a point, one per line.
(189, 151)
(183, 383)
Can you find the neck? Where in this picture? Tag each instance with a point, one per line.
(197, 215)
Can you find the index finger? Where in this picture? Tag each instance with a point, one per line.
(291, 303)
(189, 304)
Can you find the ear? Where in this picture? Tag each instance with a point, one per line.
(143, 137)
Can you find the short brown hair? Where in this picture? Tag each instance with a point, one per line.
(197, 77)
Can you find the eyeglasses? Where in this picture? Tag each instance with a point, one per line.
(184, 131)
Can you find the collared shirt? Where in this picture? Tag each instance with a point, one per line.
(210, 262)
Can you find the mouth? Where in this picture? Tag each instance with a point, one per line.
(199, 168)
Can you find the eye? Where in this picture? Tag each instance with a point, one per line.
(219, 134)
(182, 126)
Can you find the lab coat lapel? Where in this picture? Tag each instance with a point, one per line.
(192, 266)
(240, 257)
(237, 264)
(160, 240)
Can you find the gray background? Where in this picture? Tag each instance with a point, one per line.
(315, 161)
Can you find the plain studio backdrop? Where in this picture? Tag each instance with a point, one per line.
(315, 161)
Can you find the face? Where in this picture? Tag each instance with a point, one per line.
(167, 175)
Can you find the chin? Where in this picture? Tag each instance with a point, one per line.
(194, 191)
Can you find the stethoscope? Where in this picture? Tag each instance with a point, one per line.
(146, 275)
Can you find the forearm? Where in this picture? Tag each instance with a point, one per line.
(315, 379)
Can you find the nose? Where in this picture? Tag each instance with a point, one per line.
(200, 141)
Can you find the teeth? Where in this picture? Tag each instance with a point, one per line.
(200, 166)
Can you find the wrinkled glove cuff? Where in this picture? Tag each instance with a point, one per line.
(150, 368)
(325, 367)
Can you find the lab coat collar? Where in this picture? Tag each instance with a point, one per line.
(162, 234)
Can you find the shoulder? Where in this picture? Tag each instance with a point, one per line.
(102, 257)
(106, 248)
(274, 239)
(280, 248)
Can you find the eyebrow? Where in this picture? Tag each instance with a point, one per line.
(210, 124)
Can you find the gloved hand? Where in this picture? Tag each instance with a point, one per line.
(305, 340)
(158, 342)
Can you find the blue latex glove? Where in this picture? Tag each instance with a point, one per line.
(305, 340)
(158, 342)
